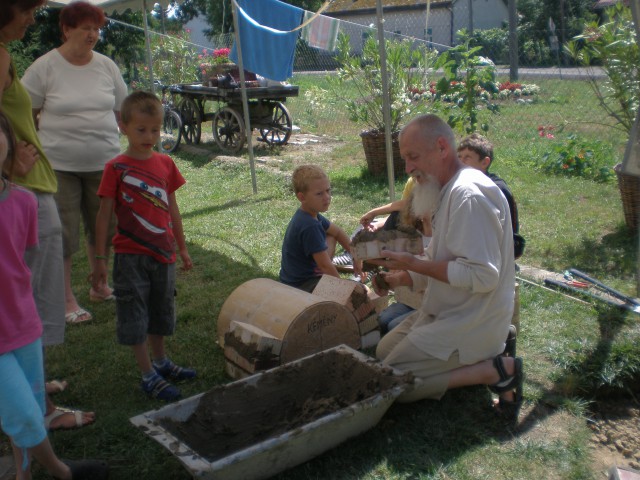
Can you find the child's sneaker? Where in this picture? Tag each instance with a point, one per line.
(158, 387)
(174, 372)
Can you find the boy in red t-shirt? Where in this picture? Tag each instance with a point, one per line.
(139, 186)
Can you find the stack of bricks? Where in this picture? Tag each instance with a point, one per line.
(250, 348)
(362, 302)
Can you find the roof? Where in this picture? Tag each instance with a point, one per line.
(368, 6)
(608, 3)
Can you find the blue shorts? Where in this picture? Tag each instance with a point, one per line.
(22, 406)
(145, 297)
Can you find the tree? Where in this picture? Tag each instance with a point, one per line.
(533, 27)
(119, 42)
(219, 13)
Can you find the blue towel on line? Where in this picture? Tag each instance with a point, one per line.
(266, 52)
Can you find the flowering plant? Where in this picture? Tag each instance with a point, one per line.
(576, 157)
(209, 60)
(221, 55)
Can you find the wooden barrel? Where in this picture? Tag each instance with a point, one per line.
(304, 323)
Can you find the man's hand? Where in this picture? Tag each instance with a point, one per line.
(392, 281)
(395, 260)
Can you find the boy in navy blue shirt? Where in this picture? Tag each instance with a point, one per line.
(310, 240)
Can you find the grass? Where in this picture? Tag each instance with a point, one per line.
(570, 348)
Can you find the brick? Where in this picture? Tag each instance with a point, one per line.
(368, 324)
(252, 335)
(348, 293)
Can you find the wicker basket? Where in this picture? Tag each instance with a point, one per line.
(376, 153)
(629, 186)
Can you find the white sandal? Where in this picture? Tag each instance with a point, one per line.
(55, 386)
(60, 411)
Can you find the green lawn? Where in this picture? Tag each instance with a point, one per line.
(570, 349)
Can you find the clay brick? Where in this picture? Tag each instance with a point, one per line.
(252, 335)
(250, 365)
(368, 324)
(348, 293)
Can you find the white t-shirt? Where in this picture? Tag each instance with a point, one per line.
(77, 127)
(471, 313)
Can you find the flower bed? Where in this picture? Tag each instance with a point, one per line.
(494, 91)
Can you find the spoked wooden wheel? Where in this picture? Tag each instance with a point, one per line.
(279, 131)
(191, 120)
(228, 130)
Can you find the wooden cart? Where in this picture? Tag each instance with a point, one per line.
(267, 113)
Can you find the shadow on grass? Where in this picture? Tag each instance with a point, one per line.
(225, 206)
(579, 380)
(616, 254)
(366, 185)
(103, 376)
(426, 437)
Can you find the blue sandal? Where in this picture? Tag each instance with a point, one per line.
(159, 388)
(175, 372)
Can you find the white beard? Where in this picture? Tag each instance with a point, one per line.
(425, 197)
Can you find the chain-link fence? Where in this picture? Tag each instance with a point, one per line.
(542, 101)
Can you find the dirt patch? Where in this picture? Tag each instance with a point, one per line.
(230, 418)
(616, 433)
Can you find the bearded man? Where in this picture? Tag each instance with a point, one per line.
(457, 336)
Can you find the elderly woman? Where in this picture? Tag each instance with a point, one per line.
(76, 95)
(33, 171)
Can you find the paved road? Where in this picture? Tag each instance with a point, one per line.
(573, 73)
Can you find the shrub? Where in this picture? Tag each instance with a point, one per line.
(173, 59)
(613, 45)
(494, 43)
(466, 74)
(577, 157)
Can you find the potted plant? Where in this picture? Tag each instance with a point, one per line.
(357, 84)
(612, 45)
(215, 63)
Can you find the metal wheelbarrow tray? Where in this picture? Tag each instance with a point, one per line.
(264, 424)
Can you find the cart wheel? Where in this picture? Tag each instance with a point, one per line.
(228, 130)
(191, 120)
(171, 132)
(280, 130)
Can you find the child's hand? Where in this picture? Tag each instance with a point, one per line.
(99, 275)
(366, 219)
(357, 266)
(26, 158)
(187, 264)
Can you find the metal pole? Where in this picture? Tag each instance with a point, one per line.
(631, 163)
(513, 41)
(148, 45)
(245, 101)
(386, 109)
